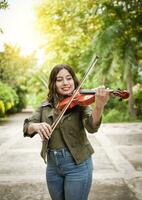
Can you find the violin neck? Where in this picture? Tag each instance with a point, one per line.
(118, 93)
(87, 91)
(91, 91)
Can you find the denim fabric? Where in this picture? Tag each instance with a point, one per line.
(65, 179)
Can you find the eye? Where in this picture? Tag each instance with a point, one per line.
(59, 79)
(69, 78)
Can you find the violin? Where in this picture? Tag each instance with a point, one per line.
(86, 97)
(83, 97)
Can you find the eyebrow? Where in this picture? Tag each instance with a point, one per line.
(66, 76)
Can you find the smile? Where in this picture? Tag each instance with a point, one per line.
(66, 88)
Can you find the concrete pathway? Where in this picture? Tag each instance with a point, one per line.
(117, 162)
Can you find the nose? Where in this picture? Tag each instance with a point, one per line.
(65, 81)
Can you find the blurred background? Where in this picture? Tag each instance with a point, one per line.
(37, 34)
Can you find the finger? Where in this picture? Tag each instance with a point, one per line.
(104, 91)
(48, 127)
(44, 132)
(97, 93)
(101, 91)
(107, 94)
(40, 134)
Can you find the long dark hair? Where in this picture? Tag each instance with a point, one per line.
(52, 96)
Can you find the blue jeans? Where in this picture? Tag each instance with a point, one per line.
(65, 179)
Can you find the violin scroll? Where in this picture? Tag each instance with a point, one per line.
(123, 94)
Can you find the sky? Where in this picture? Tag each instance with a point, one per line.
(18, 25)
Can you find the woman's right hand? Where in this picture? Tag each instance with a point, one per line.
(43, 129)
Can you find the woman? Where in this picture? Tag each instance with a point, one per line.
(66, 149)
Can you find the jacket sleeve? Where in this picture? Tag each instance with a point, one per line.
(35, 118)
(88, 120)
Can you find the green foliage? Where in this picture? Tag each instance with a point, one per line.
(21, 93)
(2, 108)
(15, 71)
(37, 87)
(7, 94)
(116, 110)
(13, 66)
(76, 30)
(35, 100)
(68, 27)
(8, 98)
(115, 115)
(118, 36)
(3, 4)
(119, 40)
(138, 103)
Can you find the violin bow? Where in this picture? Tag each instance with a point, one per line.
(91, 65)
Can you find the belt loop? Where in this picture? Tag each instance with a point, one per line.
(55, 156)
(63, 152)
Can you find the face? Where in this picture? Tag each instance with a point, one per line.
(64, 82)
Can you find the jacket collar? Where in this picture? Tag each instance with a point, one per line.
(51, 110)
(46, 103)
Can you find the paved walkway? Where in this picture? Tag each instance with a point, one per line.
(117, 163)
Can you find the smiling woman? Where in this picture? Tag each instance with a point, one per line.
(66, 147)
(17, 23)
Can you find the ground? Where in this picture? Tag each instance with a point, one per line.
(117, 173)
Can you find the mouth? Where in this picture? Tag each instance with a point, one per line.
(66, 89)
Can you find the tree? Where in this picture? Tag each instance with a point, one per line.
(3, 5)
(75, 30)
(13, 66)
(119, 40)
(68, 29)
(15, 71)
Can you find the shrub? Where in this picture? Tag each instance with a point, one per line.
(138, 102)
(8, 98)
(2, 108)
(116, 116)
(21, 103)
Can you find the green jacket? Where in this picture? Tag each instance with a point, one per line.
(72, 127)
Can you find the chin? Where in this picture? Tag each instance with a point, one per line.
(68, 93)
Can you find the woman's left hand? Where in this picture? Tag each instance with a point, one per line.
(101, 97)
